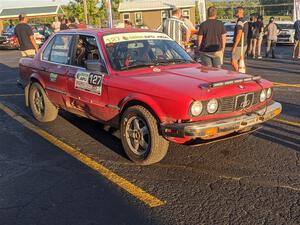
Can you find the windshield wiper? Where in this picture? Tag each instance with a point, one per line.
(170, 61)
(137, 66)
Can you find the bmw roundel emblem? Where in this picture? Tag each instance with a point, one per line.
(241, 87)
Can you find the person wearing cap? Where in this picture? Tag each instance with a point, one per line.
(271, 31)
(25, 38)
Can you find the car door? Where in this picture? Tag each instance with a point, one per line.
(54, 67)
(87, 88)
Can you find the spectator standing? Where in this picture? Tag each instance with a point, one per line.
(272, 33)
(250, 35)
(128, 24)
(176, 28)
(64, 24)
(212, 40)
(81, 24)
(9, 26)
(73, 24)
(56, 24)
(258, 34)
(25, 37)
(240, 35)
(297, 39)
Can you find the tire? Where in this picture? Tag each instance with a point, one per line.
(140, 136)
(42, 109)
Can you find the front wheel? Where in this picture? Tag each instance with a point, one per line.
(42, 109)
(140, 136)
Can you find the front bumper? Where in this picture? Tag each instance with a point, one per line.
(218, 128)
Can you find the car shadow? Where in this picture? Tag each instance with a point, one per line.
(105, 135)
(280, 136)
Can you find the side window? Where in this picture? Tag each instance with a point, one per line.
(47, 51)
(86, 48)
(60, 49)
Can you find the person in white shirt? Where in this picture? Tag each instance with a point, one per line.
(56, 25)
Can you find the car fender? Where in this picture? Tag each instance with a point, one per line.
(149, 102)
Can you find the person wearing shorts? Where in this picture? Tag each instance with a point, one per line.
(241, 28)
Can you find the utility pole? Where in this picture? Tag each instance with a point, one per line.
(85, 12)
(109, 14)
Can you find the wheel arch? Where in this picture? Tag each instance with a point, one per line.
(149, 104)
(33, 78)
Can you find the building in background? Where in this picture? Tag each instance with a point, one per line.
(152, 12)
(33, 9)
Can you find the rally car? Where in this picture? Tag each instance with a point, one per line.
(144, 83)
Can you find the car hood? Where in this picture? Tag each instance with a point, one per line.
(192, 81)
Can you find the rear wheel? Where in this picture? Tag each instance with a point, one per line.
(42, 109)
(140, 136)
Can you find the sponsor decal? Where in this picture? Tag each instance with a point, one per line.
(89, 82)
(115, 38)
(53, 77)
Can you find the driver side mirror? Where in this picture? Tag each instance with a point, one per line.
(95, 65)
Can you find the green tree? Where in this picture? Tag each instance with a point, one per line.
(96, 16)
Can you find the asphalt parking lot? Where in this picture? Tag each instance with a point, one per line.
(73, 171)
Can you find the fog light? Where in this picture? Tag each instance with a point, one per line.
(211, 131)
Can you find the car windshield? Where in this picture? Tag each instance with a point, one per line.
(143, 49)
(285, 26)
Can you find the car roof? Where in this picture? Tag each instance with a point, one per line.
(105, 31)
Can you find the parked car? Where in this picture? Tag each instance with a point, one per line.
(144, 83)
(8, 40)
(287, 32)
(229, 27)
(37, 34)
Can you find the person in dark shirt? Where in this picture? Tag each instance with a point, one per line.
(297, 39)
(72, 24)
(25, 37)
(64, 24)
(240, 35)
(212, 40)
(258, 34)
(250, 34)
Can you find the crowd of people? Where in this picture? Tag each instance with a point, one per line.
(247, 41)
(211, 41)
(67, 23)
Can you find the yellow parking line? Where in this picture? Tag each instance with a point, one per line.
(137, 192)
(286, 85)
(287, 122)
(10, 95)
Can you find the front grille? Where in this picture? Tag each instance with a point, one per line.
(228, 104)
(284, 36)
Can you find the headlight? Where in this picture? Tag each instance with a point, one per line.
(196, 108)
(212, 106)
(263, 96)
(269, 92)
